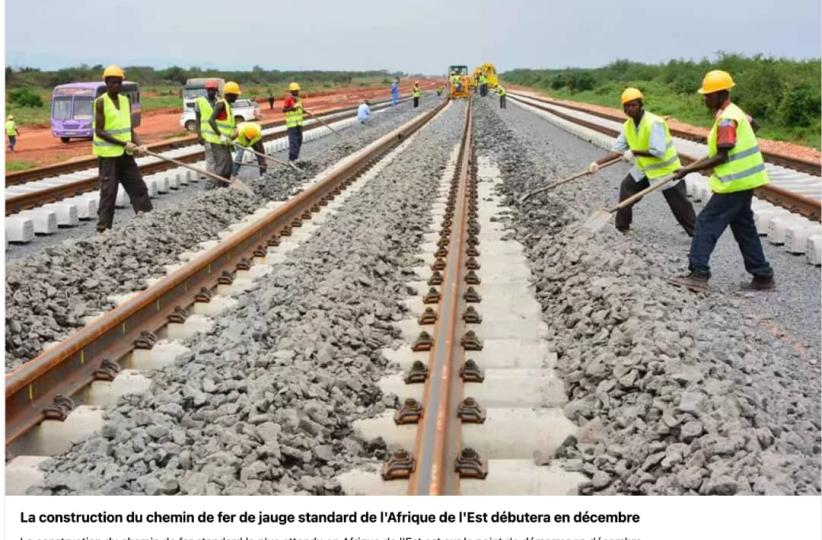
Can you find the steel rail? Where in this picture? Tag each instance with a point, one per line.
(795, 202)
(66, 368)
(438, 432)
(800, 164)
(37, 198)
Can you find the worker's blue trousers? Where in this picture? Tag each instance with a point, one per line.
(295, 142)
(722, 210)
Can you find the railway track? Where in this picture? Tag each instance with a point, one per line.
(37, 187)
(49, 387)
(479, 399)
(795, 183)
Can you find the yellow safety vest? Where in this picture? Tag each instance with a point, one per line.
(500, 90)
(295, 118)
(117, 125)
(242, 140)
(225, 126)
(745, 168)
(206, 110)
(10, 128)
(639, 139)
(416, 92)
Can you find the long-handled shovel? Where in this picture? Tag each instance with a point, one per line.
(270, 158)
(565, 180)
(312, 115)
(235, 184)
(600, 217)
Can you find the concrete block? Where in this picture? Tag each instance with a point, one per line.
(66, 212)
(813, 250)
(43, 219)
(796, 237)
(86, 207)
(19, 229)
(778, 227)
(763, 219)
(122, 198)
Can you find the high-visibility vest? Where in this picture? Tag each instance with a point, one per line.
(639, 139)
(416, 92)
(295, 118)
(242, 140)
(10, 128)
(500, 91)
(483, 79)
(117, 125)
(206, 110)
(745, 168)
(225, 127)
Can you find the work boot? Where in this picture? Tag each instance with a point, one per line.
(760, 283)
(692, 281)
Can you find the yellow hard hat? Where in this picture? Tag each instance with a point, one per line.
(630, 94)
(715, 81)
(114, 71)
(293, 86)
(251, 130)
(231, 88)
(10, 117)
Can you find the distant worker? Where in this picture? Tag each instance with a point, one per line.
(738, 169)
(203, 109)
(646, 138)
(395, 92)
(483, 85)
(270, 99)
(416, 94)
(456, 81)
(249, 135)
(293, 109)
(440, 89)
(115, 143)
(501, 93)
(364, 112)
(222, 124)
(11, 132)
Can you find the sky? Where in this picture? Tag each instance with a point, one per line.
(412, 36)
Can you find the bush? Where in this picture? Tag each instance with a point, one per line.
(25, 97)
(580, 81)
(558, 82)
(799, 106)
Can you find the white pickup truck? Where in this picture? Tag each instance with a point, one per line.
(244, 110)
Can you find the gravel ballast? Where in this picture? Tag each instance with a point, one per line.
(676, 393)
(264, 403)
(49, 293)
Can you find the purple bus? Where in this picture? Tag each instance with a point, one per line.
(71, 104)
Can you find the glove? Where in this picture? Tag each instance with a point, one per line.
(234, 133)
(593, 167)
(225, 139)
(628, 156)
(141, 150)
(131, 148)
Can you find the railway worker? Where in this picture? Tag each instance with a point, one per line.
(115, 143)
(416, 93)
(249, 135)
(645, 137)
(483, 85)
(203, 109)
(395, 92)
(11, 132)
(364, 112)
(293, 109)
(738, 169)
(270, 99)
(223, 130)
(501, 93)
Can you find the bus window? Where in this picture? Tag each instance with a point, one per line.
(61, 108)
(82, 108)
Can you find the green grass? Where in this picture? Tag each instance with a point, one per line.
(690, 109)
(12, 166)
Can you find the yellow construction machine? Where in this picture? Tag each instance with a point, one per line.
(458, 81)
(490, 73)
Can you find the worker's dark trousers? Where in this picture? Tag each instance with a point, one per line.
(502, 102)
(12, 142)
(676, 197)
(271, 103)
(416, 102)
(295, 142)
(483, 90)
(223, 164)
(122, 170)
(725, 209)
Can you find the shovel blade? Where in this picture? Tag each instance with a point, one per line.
(597, 220)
